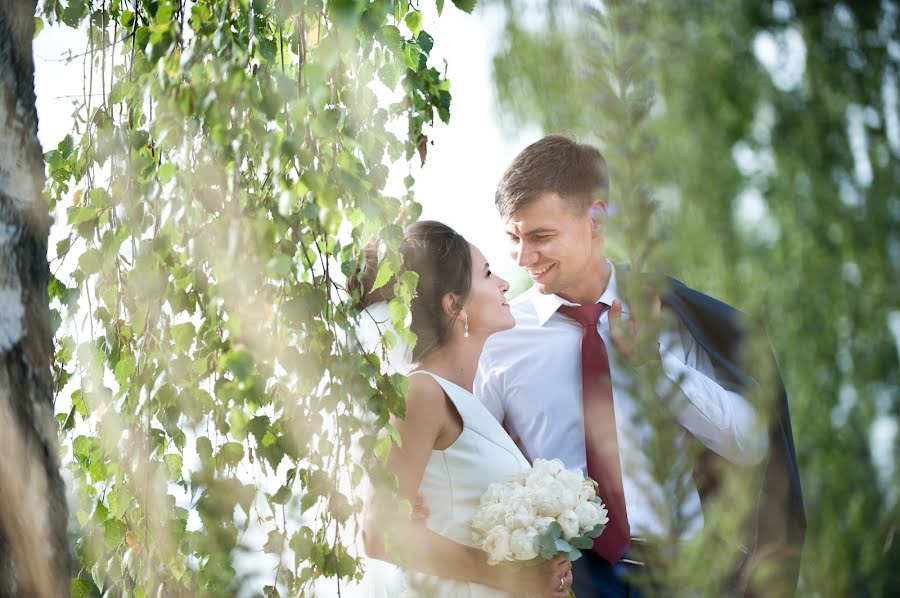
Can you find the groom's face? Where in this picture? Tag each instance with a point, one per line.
(555, 243)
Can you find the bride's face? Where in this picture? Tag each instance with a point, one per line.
(486, 307)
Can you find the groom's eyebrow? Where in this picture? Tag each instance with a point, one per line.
(530, 233)
(537, 231)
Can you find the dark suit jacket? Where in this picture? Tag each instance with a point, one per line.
(776, 529)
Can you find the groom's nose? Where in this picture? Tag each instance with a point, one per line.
(523, 254)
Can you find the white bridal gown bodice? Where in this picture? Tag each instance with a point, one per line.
(454, 481)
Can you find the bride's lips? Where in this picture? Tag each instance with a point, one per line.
(537, 274)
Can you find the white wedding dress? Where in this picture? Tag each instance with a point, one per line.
(454, 481)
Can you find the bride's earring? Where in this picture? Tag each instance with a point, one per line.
(466, 326)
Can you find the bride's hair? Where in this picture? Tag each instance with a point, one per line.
(442, 259)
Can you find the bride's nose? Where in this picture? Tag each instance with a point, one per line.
(504, 286)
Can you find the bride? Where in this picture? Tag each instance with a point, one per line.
(452, 448)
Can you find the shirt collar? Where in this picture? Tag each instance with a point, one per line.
(546, 305)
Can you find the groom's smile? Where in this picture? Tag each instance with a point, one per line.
(560, 247)
(538, 273)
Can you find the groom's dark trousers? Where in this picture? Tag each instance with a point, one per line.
(593, 577)
(777, 527)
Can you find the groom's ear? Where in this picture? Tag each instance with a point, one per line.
(598, 214)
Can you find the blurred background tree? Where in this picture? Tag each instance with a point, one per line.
(754, 150)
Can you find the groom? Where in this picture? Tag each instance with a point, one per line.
(560, 380)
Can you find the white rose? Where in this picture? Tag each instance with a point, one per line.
(521, 543)
(496, 544)
(539, 480)
(488, 517)
(492, 495)
(589, 515)
(521, 477)
(588, 490)
(515, 490)
(550, 467)
(542, 523)
(519, 512)
(546, 499)
(569, 522)
(572, 482)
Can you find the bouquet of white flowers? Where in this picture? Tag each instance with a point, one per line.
(539, 514)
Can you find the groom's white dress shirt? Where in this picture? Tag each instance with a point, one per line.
(529, 378)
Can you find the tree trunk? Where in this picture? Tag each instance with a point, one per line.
(34, 556)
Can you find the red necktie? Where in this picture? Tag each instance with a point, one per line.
(600, 442)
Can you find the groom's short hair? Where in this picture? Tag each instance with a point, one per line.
(555, 164)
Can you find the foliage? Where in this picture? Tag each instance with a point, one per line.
(772, 152)
(228, 159)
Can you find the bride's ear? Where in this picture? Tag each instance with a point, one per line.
(451, 305)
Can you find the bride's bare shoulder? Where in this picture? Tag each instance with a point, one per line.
(424, 391)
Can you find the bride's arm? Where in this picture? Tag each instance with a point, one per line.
(389, 533)
(392, 536)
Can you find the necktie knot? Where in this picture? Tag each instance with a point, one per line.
(586, 315)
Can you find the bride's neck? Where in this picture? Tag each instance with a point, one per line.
(457, 361)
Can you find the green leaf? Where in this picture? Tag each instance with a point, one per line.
(166, 172)
(204, 449)
(282, 496)
(391, 37)
(275, 542)
(231, 453)
(119, 499)
(65, 146)
(308, 500)
(124, 370)
(183, 335)
(280, 266)
(562, 545)
(598, 529)
(73, 13)
(173, 463)
(413, 20)
(139, 139)
(239, 363)
(90, 261)
(237, 419)
(268, 50)
(99, 197)
(113, 533)
(426, 42)
(411, 56)
(383, 448)
(81, 588)
(386, 270)
(465, 5)
(554, 531)
(440, 7)
(38, 26)
(582, 542)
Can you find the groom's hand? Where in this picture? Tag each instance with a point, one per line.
(637, 337)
